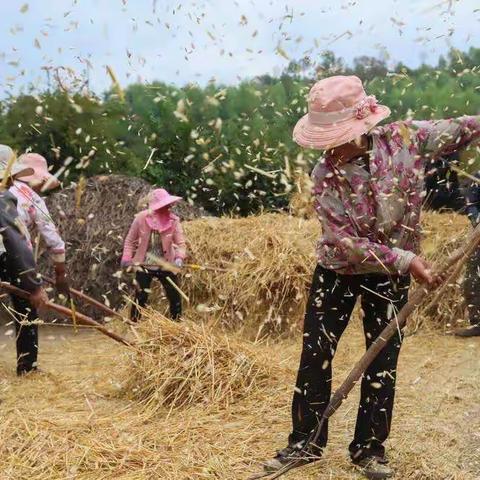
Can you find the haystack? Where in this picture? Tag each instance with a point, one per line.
(269, 260)
(186, 364)
(265, 265)
(94, 216)
(443, 234)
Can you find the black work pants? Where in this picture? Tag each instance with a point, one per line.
(330, 305)
(471, 287)
(26, 332)
(144, 279)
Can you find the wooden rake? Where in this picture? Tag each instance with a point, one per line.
(77, 317)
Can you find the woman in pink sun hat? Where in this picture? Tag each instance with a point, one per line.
(155, 237)
(369, 189)
(34, 213)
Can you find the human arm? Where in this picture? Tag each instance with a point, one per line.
(374, 257)
(342, 241)
(179, 244)
(130, 244)
(48, 231)
(443, 137)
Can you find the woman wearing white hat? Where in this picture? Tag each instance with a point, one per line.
(368, 194)
(155, 237)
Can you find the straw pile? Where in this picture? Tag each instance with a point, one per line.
(269, 258)
(269, 261)
(443, 234)
(185, 364)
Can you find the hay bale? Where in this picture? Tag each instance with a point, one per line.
(94, 216)
(186, 364)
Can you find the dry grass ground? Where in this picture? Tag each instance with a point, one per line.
(83, 419)
(72, 423)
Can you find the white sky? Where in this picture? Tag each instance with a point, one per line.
(195, 41)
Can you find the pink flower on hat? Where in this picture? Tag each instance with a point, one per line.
(366, 106)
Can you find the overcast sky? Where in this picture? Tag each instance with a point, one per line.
(195, 41)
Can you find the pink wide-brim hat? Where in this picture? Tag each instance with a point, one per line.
(160, 198)
(339, 111)
(41, 175)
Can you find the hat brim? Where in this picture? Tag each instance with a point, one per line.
(23, 172)
(324, 137)
(164, 203)
(45, 179)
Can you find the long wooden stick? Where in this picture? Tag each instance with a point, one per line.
(416, 298)
(90, 300)
(170, 267)
(80, 318)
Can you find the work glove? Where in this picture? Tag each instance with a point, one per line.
(38, 298)
(61, 281)
(179, 262)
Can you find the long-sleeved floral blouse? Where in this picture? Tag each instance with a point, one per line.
(370, 211)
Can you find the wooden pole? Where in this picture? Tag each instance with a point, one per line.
(416, 298)
(80, 318)
(90, 300)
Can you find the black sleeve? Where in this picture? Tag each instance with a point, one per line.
(20, 260)
(471, 194)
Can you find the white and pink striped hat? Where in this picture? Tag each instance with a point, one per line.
(339, 111)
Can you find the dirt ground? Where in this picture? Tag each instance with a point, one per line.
(71, 421)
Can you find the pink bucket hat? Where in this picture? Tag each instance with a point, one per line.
(160, 198)
(339, 111)
(41, 175)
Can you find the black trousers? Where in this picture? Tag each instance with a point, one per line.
(330, 305)
(26, 332)
(471, 287)
(144, 279)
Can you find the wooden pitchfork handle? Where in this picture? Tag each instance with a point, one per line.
(418, 297)
(80, 318)
(90, 300)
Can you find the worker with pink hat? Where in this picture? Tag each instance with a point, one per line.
(34, 213)
(369, 190)
(155, 243)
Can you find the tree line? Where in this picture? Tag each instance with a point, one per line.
(226, 148)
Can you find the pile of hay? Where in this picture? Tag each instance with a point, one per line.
(93, 217)
(269, 260)
(71, 422)
(265, 263)
(185, 364)
(443, 234)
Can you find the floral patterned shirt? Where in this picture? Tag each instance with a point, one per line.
(370, 210)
